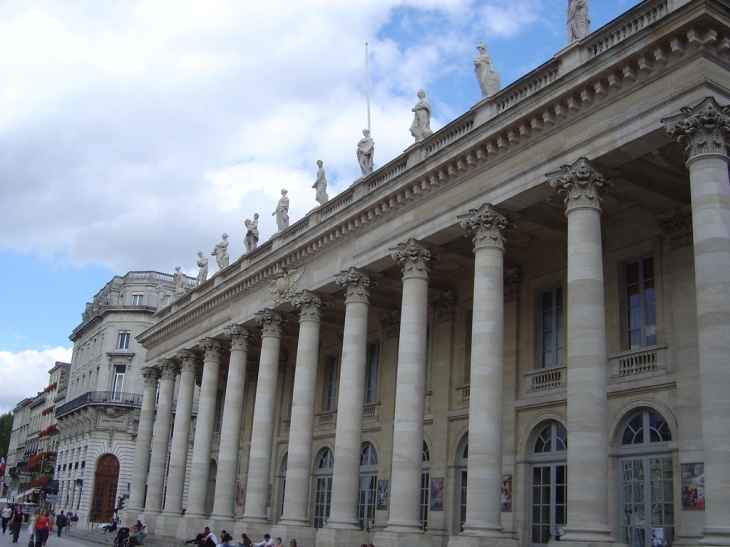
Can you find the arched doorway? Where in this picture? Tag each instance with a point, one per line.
(105, 488)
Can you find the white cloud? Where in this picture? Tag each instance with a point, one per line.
(24, 374)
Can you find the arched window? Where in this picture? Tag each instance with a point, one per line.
(463, 464)
(323, 489)
(282, 480)
(368, 490)
(425, 487)
(647, 496)
(549, 483)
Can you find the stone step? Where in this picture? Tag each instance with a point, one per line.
(97, 537)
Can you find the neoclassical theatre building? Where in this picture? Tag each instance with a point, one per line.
(516, 332)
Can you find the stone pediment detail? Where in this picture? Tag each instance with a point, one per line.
(285, 284)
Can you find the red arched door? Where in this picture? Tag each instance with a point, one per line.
(105, 488)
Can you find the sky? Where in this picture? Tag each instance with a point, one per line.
(133, 133)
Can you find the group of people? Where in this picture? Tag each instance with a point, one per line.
(40, 523)
(208, 539)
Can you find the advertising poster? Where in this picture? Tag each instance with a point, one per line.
(506, 493)
(693, 487)
(382, 504)
(437, 494)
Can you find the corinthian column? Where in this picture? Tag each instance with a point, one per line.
(144, 438)
(225, 484)
(262, 432)
(161, 438)
(703, 130)
(487, 227)
(302, 412)
(405, 490)
(200, 466)
(582, 185)
(180, 434)
(351, 397)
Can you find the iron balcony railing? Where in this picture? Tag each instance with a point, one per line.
(100, 397)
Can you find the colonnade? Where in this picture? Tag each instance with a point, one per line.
(582, 185)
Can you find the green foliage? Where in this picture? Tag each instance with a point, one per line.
(6, 425)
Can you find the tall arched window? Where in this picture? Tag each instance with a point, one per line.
(323, 490)
(549, 484)
(425, 487)
(282, 481)
(647, 497)
(463, 464)
(368, 490)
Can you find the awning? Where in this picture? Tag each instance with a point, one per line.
(52, 486)
(26, 494)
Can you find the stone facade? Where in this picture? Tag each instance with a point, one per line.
(524, 339)
(97, 423)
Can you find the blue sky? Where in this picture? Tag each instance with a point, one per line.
(133, 134)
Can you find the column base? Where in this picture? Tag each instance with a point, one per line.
(592, 536)
(190, 525)
(337, 537)
(303, 533)
(389, 538)
(482, 541)
(150, 519)
(716, 535)
(166, 524)
(216, 524)
(403, 527)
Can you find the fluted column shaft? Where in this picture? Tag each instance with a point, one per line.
(225, 484)
(144, 439)
(302, 414)
(351, 397)
(262, 432)
(582, 185)
(181, 434)
(200, 466)
(405, 490)
(487, 227)
(704, 131)
(161, 437)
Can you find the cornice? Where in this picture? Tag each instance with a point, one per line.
(536, 106)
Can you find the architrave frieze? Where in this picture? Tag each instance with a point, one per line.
(471, 144)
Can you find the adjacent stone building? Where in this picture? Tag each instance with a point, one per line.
(517, 331)
(98, 421)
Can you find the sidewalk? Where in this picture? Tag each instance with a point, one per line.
(6, 540)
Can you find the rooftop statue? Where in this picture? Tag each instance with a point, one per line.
(282, 212)
(220, 253)
(179, 278)
(421, 126)
(486, 75)
(365, 153)
(252, 233)
(203, 265)
(161, 295)
(321, 185)
(578, 20)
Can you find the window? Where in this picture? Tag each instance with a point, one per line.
(323, 490)
(551, 328)
(330, 388)
(218, 411)
(282, 477)
(463, 476)
(124, 336)
(118, 382)
(137, 298)
(425, 488)
(467, 345)
(640, 304)
(549, 484)
(167, 300)
(367, 491)
(647, 497)
(371, 379)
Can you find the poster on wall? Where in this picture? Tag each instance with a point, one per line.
(382, 504)
(506, 493)
(693, 487)
(437, 494)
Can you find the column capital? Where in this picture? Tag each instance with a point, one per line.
(444, 306)
(187, 360)
(487, 226)
(212, 349)
(702, 130)
(238, 336)
(270, 321)
(168, 369)
(582, 184)
(310, 305)
(413, 258)
(357, 283)
(150, 375)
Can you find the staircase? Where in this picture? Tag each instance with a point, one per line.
(97, 537)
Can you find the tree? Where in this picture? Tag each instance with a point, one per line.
(6, 425)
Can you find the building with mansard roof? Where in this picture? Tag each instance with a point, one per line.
(515, 332)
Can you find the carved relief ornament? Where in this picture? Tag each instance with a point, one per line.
(701, 130)
(413, 258)
(581, 183)
(283, 287)
(512, 284)
(487, 226)
(390, 321)
(187, 360)
(270, 321)
(356, 283)
(444, 306)
(212, 349)
(678, 229)
(150, 375)
(239, 336)
(310, 305)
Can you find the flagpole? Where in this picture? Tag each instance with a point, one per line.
(367, 81)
